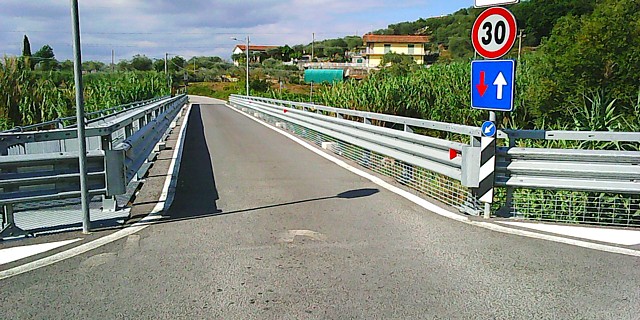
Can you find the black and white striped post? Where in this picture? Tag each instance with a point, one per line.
(485, 191)
(487, 169)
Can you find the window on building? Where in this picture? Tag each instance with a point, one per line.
(387, 48)
(412, 49)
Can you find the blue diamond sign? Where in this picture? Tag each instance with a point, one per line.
(493, 84)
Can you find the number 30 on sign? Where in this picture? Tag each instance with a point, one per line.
(494, 33)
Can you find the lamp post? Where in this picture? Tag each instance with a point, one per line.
(247, 51)
(82, 143)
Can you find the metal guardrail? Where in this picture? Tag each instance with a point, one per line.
(568, 173)
(67, 122)
(401, 152)
(576, 170)
(415, 149)
(46, 175)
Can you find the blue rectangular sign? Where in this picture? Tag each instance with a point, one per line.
(493, 84)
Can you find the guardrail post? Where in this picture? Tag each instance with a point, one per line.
(339, 116)
(109, 204)
(63, 142)
(408, 129)
(366, 120)
(10, 229)
(128, 131)
(507, 212)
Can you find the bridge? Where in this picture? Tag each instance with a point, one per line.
(263, 209)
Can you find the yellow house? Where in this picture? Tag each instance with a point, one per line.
(378, 45)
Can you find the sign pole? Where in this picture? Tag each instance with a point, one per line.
(82, 143)
(491, 150)
(492, 84)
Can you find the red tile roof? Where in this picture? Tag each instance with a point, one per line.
(374, 38)
(255, 48)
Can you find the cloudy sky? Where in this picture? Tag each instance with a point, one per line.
(198, 27)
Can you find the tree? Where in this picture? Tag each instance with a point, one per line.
(177, 63)
(461, 47)
(26, 47)
(45, 59)
(158, 65)
(124, 65)
(398, 64)
(66, 65)
(538, 17)
(93, 66)
(141, 63)
(353, 42)
(286, 53)
(589, 55)
(26, 51)
(275, 53)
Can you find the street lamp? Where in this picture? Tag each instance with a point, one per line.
(247, 50)
(82, 143)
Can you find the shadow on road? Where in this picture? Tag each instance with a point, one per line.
(196, 192)
(347, 195)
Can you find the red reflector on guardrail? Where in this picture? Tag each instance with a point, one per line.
(453, 153)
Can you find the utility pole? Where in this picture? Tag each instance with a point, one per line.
(166, 73)
(313, 43)
(113, 60)
(248, 66)
(520, 44)
(82, 143)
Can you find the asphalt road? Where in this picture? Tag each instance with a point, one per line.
(261, 228)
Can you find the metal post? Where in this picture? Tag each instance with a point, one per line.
(248, 66)
(313, 43)
(128, 131)
(487, 206)
(519, 45)
(113, 60)
(109, 204)
(311, 94)
(510, 190)
(82, 143)
(166, 72)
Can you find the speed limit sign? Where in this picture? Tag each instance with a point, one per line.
(494, 33)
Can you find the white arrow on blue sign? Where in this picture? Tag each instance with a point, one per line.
(489, 129)
(493, 84)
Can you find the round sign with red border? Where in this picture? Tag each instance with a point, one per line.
(494, 32)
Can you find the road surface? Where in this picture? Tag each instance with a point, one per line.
(261, 228)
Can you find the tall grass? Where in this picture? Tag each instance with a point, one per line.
(28, 97)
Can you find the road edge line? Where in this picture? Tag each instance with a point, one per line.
(135, 228)
(441, 211)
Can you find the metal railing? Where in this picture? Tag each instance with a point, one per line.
(418, 161)
(67, 122)
(43, 165)
(551, 184)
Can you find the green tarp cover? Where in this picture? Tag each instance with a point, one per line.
(323, 75)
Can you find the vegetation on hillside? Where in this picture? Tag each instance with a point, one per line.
(584, 76)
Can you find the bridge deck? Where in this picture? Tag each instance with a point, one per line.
(261, 228)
